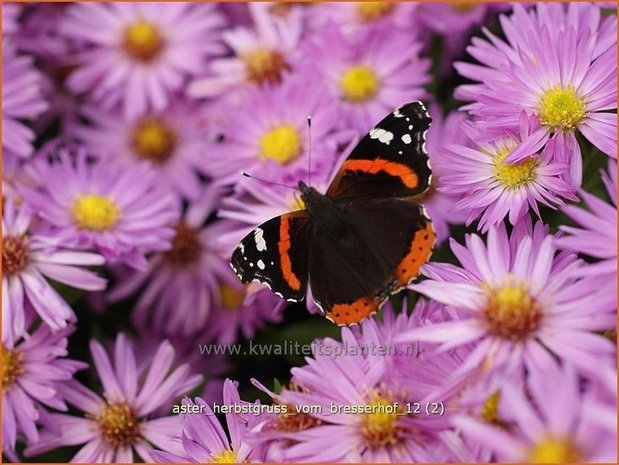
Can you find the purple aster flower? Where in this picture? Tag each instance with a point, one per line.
(559, 63)
(490, 188)
(364, 74)
(121, 423)
(520, 302)
(28, 258)
(342, 374)
(454, 17)
(31, 372)
(203, 437)
(22, 99)
(351, 16)
(39, 34)
(272, 143)
(212, 366)
(119, 211)
(262, 54)
(440, 205)
(241, 310)
(180, 286)
(555, 423)
(137, 54)
(597, 234)
(172, 141)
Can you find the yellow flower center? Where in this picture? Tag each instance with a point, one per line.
(225, 456)
(373, 11)
(359, 84)
(153, 140)
(561, 108)
(231, 299)
(512, 312)
(490, 409)
(380, 428)
(282, 144)
(143, 41)
(186, 246)
(553, 450)
(94, 213)
(11, 363)
(15, 254)
(118, 424)
(509, 175)
(265, 66)
(463, 7)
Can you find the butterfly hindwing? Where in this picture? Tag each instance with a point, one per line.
(276, 254)
(354, 271)
(391, 160)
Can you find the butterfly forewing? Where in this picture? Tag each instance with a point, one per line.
(276, 254)
(391, 160)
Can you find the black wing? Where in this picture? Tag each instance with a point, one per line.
(391, 160)
(276, 254)
(381, 250)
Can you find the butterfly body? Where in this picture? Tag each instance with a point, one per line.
(362, 240)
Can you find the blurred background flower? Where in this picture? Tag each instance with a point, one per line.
(127, 128)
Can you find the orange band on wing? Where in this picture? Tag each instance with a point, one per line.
(359, 310)
(418, 255)
(408, 177)
(286, 264)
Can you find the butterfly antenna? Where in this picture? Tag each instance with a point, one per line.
(309, 150)
(267, 181)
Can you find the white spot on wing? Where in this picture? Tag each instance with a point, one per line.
(260, 264)
(406, 138)
(261, 244)
(382, 135)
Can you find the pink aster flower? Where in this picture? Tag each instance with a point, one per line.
(340, 375)
(137, 54)
(29, 259)
(39, 34)
(453, 18)
(203, 437)
(172, 141)
(179, 287)
(241, 310)
(597, 234)
(121, 423)
(261, 54)
(351, 16)
(556, 423)
(22, 99)
(272, 143)
(119, 211)
(559, 63)
(519, 302)
(31, 372)
(364, 74)
(490, 188)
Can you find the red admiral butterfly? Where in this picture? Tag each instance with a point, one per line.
(361, 241)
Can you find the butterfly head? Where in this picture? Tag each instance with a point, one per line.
(313, 200)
